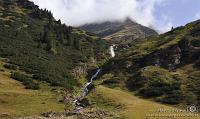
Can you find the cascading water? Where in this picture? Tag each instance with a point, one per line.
(85, 88)
(112, 52)
(77, 101)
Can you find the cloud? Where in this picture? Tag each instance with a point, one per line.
(197, 16)
(79, 12)
(163, 24)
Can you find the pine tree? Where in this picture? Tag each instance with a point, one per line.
(49, 37)
(51, 44)
(62, 38)
(59, 22)
(70, 39)
(77, 44)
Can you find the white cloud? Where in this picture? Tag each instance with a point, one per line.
(78, 12)
(164, 24)
(197, 16)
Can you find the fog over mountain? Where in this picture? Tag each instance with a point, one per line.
(79, 12)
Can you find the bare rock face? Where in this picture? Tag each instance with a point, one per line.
(120, 30)
(168, 58)
(172, 57)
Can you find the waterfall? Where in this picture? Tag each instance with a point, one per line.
(112, 52)
(95, 75)
(77, 101)
(85, 88)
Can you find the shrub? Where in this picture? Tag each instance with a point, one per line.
(190, 98)
(110, 81)
(151, 92)
(113, 82)
(10, 66)
(175, 98)
(195, 42)
(26, 81)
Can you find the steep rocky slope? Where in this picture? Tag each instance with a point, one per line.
(120, 31)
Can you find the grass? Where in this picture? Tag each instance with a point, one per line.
(15, 100)
(130, 106)
(87, 34)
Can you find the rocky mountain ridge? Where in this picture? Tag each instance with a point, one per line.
(120, 31)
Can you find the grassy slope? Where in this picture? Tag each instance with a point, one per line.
(129, 67)
(23, 42)
(17, 101)
(132, 107)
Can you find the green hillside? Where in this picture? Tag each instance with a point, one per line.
(48, 50)
(164, 68)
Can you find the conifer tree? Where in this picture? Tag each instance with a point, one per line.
(77, 44)
(49, 37)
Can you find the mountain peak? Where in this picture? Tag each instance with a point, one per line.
(126, 30)
(129, 20)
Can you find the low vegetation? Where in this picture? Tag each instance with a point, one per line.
(158, 83)
(26, 80)
(10, 66)
(17, 101)
(32, 39)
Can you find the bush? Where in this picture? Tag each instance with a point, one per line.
(151, 92)
(113, 82)
(195, 42)
(110, 82)
(10, 66)
(26, 81)
(190, 98)
(175, 98)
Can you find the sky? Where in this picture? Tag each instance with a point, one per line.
(158, 14)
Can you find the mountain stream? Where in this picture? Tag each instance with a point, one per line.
(78, 100)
